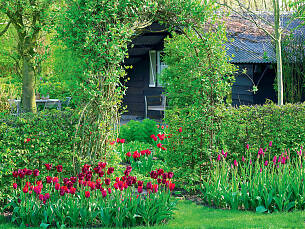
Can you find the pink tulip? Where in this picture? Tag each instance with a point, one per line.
(274, 159)
(243, 158)
(225, 155)
(247, 146)
(261, 170)
(250, 162)
(266, 163)
(270, 143)
(235, 163)
(218, 157)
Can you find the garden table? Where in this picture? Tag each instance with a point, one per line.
(40, 101)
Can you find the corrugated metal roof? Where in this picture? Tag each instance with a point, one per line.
(247, 47)
(247, 51)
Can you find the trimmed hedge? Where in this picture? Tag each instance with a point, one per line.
(30, 140)
(258, 125)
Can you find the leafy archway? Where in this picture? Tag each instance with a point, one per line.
(99, 32)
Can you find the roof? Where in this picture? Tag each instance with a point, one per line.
(243, 50)
(248, 44)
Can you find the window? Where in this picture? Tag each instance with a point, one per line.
(156, 67)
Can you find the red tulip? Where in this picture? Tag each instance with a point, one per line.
(104, 193)
(48, 179)
(15, 174)
(59, 168)
(55, 180)
(170, 175)
(57, 186)
(15, 186)
(72, 190)
(25, 189)
(128, 154)
(171, 186)
(48, 166)
(107, 181)
(87, 194)
(109, 190)
(122, 140)
(46, 196)
(36, 173)
(41, 197)
(140, 189)
(180, 129)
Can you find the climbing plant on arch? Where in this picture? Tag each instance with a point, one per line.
(99, 32)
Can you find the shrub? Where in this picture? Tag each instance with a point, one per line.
(93, 197)
(257, 125)
(35, 139)
(198, 79)
(138, 131)
(257, 182)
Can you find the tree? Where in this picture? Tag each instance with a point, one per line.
(247, 11)
(27, 17)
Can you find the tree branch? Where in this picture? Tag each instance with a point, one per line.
(6, 28)
(251, 19)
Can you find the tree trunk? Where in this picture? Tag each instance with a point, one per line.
(279, 72)
(279, 66)
(28, 86)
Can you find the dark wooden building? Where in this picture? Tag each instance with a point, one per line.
(252, 54)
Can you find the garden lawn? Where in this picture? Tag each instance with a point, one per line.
(190, 215)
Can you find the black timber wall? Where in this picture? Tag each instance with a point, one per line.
(138, 88)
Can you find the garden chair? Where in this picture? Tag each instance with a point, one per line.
(14, 107)
(155, 103)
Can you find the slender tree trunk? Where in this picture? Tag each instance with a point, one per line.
(28, 86)
(279, 65)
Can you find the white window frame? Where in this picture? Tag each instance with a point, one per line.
(156, 67)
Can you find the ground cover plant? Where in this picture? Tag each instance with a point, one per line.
(257, 182)
(92, 197)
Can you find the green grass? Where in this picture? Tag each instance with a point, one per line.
(190, 215)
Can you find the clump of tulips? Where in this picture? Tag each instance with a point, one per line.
(92, 197)
(257, 182)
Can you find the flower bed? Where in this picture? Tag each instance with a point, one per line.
(93, 197)
(257, 183)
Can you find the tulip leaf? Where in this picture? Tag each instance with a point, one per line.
(261, 209)
(44, 225)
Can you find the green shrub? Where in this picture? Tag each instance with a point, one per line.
(35, 139)
(258, 125)
(198, 79)
(138, 131)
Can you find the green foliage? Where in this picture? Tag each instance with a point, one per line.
(138, 131)
(257, 182)
(293, 68)
(258, 125)
(34, 140)
(199, 78)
